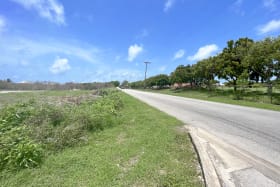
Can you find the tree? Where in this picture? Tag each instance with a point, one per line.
(276, 57)
(159, 81)
(137, 84)
(124, 84)
(182, 74)
(231, 63)
(162, 80)
(204, 72)
(115, 83)
(179, 75)
(263, 60)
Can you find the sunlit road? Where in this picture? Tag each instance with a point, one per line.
(255, 131)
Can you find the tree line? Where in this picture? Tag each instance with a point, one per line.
(241, 62)
(8, 84)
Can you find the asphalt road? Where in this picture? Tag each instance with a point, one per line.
(256, 131)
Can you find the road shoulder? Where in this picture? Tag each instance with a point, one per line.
(224, 165)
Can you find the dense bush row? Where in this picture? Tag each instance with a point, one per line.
(28, 131)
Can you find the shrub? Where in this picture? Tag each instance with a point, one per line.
(25, 154)
(51, 114)
(17, 150)
(12, 116)
(68, 136)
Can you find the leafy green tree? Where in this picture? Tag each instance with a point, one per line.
(160, 81)
(261, 60)
(179, 75)
(115, 83)
(124, 84)
(231, 63)
(276, 57)
(204, 72)
(137, 84)
(182, 74)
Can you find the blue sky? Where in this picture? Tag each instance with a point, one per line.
(104, 40)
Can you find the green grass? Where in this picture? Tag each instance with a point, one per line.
(252, 98)
(148, 148)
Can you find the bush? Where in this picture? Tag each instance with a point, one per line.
(18, 151)
(12, 116)
(25, 154)
(68, 136)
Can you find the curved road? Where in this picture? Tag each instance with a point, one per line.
(254, 130)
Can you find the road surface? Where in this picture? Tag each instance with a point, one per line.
(246, 141)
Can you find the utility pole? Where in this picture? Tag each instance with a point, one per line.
(146, 73)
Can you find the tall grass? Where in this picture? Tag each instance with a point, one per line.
(30, 131)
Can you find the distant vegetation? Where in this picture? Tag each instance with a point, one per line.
(8, 84)
(241, 64)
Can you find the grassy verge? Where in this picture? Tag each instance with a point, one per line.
(222, 97)
(146, 149)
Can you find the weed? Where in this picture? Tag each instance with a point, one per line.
(32, 129)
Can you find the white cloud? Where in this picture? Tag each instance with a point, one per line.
(60, 65)
(134, 51)
(2, 23)
(168, 4)
(179, 54)
(272, 26)
(49, 9)
(204, 52)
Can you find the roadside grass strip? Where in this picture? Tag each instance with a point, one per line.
(145, 148)
(251, 100)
